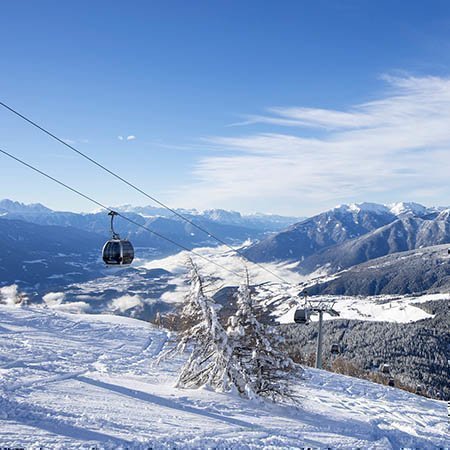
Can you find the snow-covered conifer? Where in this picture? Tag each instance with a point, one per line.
(257, 349)
(247, 356)
(210, 360)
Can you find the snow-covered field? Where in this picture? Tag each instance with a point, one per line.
(384, 308)
(75, 381)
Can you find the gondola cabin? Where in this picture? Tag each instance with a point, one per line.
(118, 252)
(384, 368)
(391, 382)
(302, 315)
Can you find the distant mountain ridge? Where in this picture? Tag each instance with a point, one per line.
(253, 223)
(258, 221)
(10, 206)
(229, 226)
(59, 242)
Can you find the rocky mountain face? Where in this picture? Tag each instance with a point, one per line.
(353, 234)
(319, 232)
(405, 233)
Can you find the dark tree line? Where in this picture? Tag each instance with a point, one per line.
(417, 353)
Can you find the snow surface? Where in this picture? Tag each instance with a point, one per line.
(78, 381)
(385, 308)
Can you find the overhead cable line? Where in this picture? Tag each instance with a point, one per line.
(136, 188)
(117, 213)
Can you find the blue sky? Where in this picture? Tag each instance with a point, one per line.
(283, 107)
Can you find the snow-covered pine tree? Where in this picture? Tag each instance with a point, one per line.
(257, 350)
(210, 361)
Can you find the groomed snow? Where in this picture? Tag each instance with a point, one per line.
(78, 381)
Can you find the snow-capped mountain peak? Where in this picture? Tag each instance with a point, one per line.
(397, 209)
(10, 206)
(410, 208)
(368, 207)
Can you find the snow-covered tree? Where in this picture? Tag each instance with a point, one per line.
(257, 350)
(246, 357)
(210, 361)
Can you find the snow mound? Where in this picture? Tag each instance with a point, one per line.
(84, 381)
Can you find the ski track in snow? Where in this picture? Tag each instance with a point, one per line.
(76, 381)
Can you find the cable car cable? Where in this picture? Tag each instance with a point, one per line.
(118, 214)
(181, 216)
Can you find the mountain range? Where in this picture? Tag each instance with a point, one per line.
(341, 241)
(37, 233)
(227, 225)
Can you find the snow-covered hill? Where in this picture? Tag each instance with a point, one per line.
(71, 381)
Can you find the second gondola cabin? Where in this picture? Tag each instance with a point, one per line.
(302, 315)
(335, 349)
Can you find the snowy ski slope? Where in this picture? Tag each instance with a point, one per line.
(75, 381)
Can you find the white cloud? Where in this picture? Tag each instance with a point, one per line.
(127, 302)
(395, 147)
(53, 299)
(56, 301)
(76, 141)
(72, 307)
(130, 137)
(227, 261)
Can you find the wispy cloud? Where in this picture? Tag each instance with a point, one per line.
(395, 147)
(76, 141)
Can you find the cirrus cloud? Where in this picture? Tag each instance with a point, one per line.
(396, 147)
